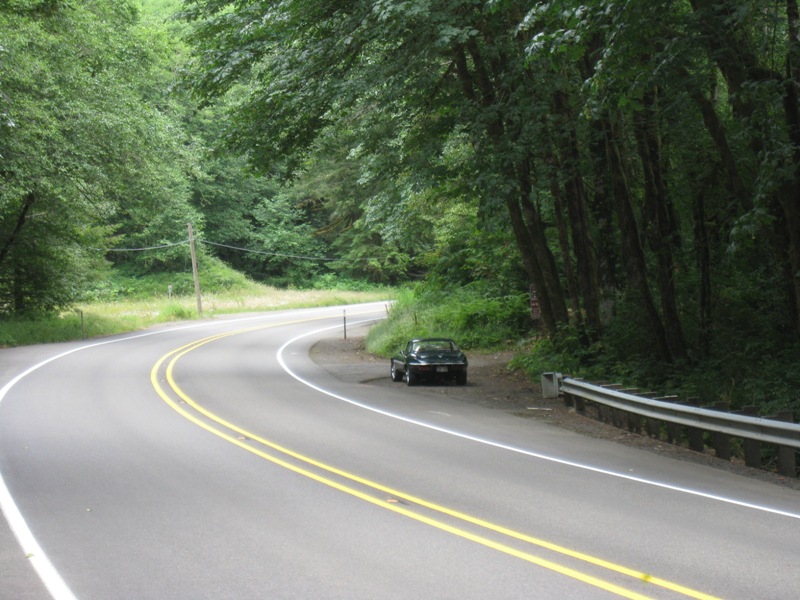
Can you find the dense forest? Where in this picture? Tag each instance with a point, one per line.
(633, 164)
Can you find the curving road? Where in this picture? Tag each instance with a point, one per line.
(217, 460)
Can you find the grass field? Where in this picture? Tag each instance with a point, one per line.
(99, 319)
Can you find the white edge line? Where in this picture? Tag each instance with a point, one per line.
(518, 450)
(52, 580)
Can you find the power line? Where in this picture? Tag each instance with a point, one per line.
(210, 243)
(147, 248)
(266, 253)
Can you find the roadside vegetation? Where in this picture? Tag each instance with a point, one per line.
(124, 304)
(473, 321)
(764, 373)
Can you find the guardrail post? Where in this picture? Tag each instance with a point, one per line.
(580, 405)
(722, 441)
(653, 428)
(606, 414)
(696, 441)
(634, 423)
(787, 462)
(752, 448)
(674, 430)
(639, 424)
(618, 418)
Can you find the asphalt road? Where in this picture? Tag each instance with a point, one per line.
(216, 460)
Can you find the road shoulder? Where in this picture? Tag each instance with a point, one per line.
(493, 384)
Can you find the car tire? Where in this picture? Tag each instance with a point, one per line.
(396, 375)
(461, 379)
(411, 378)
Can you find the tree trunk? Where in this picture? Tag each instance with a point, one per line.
(740, 66)
(535, 275)
(563, 242)
(716, 129)
(662, 232)
(601, 207)
(600, 204)
(632, 253)
(730, 51)
(543, 254)
(576, 197)
(703, 257)
(790, 198)
(526, 223)
(27, 203)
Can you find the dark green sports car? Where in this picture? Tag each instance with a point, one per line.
(430, 359)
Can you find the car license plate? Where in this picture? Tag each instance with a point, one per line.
(441, 369)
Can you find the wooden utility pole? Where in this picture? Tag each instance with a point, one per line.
(194, 272)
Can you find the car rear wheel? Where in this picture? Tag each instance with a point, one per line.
(461, 379)
(411, 378)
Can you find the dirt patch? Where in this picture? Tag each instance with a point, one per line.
(494, 385)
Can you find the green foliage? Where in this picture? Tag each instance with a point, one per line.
(387, 336)
(123, 302)
(177, 312)
(48, 329)
(214, 275)
(160, 9)
(474, 320)
(747, 371)
(329, 281)
(89, 148)
(564, 353)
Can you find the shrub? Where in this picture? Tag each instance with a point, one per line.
(470, 318)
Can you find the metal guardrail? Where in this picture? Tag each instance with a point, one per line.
(636, 408)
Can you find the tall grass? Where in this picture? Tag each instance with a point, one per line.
(472, 319)
(120, 315)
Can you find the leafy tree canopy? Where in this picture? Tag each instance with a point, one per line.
(88, 146)
(642, 155)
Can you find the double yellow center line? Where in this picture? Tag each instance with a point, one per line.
(396, 501)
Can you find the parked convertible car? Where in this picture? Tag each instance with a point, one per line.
(430, 359)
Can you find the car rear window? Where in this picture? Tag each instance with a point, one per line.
(432, 346)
